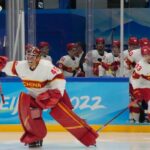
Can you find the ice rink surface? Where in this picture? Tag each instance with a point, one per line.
(65, 141)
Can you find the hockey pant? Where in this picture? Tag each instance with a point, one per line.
(31, 120)
(74, 124)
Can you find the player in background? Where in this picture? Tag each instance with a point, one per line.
(140, 81)
(113, 60)
(135, 56)
(46, 90)
(80, 56)
(133, 43)
(69, 64)
(132, 59)
(95, 58)
(45, 48)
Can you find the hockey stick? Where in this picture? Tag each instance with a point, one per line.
(2, 95)
(108, 122)
(117, 115)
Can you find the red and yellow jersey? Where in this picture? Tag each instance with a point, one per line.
(93, 59)
(93, 56)
(114, 64)
(45, 76)
(140, 80)
(141, 75)
(68, 65)
(133, 58)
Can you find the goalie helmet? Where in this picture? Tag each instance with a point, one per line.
(32, 50)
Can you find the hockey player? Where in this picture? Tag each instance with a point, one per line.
(96, 58)
(46, 86)
(69, 63)
(45, 47)
(135, 56)
(81, 58)
(132, 59)
(113, 60)
(140, 81)
(133, 43)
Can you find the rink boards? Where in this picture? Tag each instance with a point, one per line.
(97, 100)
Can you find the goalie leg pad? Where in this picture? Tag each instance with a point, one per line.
(66, 100)
(30, 117)
(74, 124)
(36, 113)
